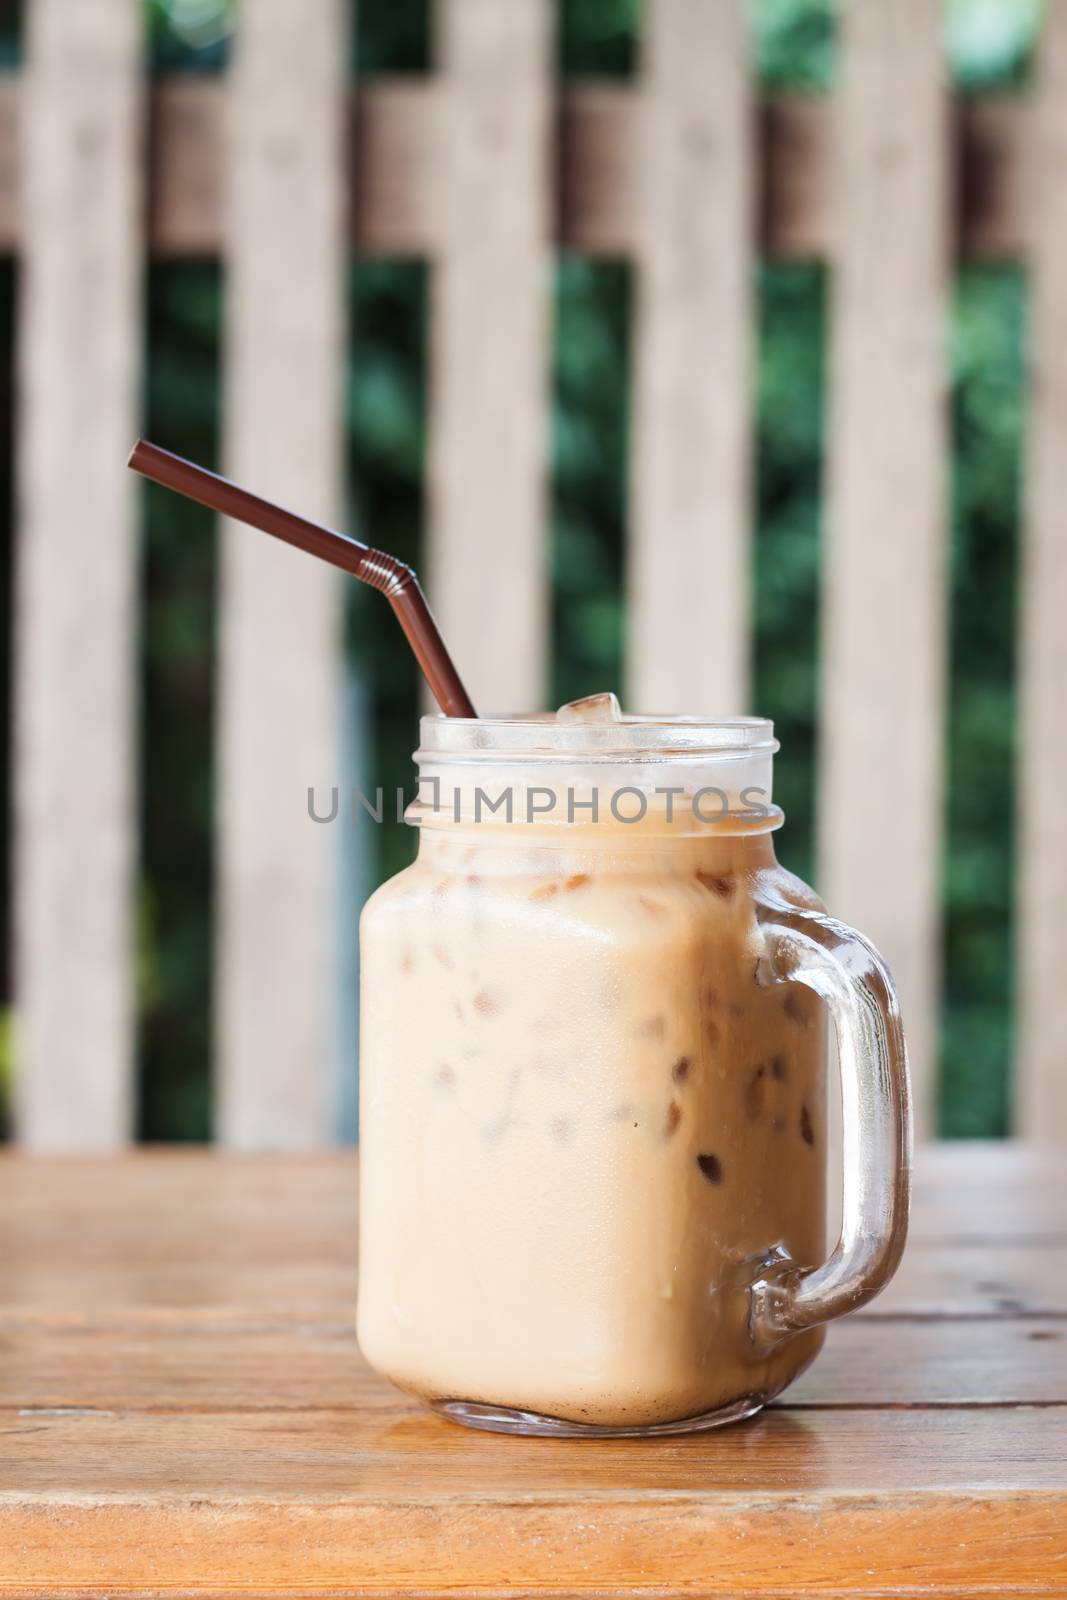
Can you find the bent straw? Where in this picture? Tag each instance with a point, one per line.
(384, 572)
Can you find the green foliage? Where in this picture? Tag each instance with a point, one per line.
(178, 665)
(793, 42)
(189, 35)
(11, 20)
(987, 360)
(386, 448)
(597, 38)
(991, 42)
(589, 451)
(789, 446)
(392, 36)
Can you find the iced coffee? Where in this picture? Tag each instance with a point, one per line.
(587, 1120)
(593, 1120)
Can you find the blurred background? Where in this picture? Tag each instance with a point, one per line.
(989, 45)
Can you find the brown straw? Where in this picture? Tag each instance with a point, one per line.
(395, 580)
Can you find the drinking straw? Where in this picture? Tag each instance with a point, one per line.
(396, 581)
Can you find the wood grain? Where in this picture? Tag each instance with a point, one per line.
(884, 605)
(282, 1233)
(990, 1278)
(688, 550)
(308, 1363)
(75, 642)
(172, 1280)
(403, 1454)
(280, 636)
(1041, 1095)
(937, 1501)
(488, 560)
(184, 1410)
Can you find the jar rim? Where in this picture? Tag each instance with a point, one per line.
(537, 736)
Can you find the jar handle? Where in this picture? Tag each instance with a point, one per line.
(844, 968)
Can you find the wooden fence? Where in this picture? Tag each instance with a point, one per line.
(281, 169)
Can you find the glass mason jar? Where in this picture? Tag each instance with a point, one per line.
(593, 1085)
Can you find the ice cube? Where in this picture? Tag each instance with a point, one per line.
(593, 708)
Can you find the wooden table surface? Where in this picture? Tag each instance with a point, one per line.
(184, 1411)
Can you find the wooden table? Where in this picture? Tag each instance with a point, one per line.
(184, 1411)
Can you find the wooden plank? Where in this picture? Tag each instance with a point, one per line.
(79, 342)
(158, 1431)
(259, 1503)
(876, 1364)
(311, 1365)
(688, 553)
(188, 143)
(280, 654)
(993, 142)
(990, 1279)
(971, 1193)
(13, 115)
(394, 195)
(598, 203)
(987, 1234)
(310, 1275)
(488, 565)
(883, 633)
(1041, 1081)
(795, 192)
(395, 168)
(227, 1239)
